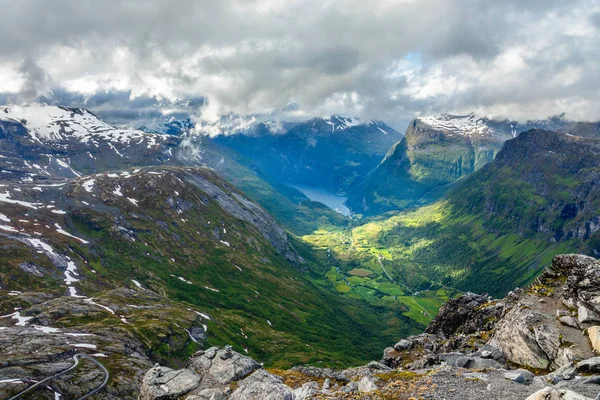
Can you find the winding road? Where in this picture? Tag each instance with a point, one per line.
(76, 358)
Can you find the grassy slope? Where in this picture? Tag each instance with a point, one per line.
(283, 314)
(496, 229)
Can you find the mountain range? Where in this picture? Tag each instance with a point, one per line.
(140, 247)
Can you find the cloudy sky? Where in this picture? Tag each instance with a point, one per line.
(289, 59)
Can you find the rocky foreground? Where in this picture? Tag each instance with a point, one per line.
(536, 343)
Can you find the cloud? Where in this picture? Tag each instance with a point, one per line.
(300, 58)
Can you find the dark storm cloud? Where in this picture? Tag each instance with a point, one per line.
(513, 58)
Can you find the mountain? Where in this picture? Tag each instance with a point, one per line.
(40, 141)
(331, 153)
(152, 264)
(434, 153)
(494, 230)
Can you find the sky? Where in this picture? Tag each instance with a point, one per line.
(295, 59)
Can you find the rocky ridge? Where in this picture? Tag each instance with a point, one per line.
(536, 343)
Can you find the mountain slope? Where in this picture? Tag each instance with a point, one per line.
(41, 142)
(496, 228)
(153, 263)
(332, 153)
(435, 151)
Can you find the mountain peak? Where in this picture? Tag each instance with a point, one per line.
(462, 125)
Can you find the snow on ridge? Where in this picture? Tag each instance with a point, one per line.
(464, 125)
(52, 123)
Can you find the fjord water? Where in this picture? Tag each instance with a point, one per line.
(328, 198)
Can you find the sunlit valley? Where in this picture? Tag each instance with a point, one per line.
(327, 222)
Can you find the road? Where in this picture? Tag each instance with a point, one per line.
(76, 358)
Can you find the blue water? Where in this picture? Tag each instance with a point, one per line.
(330, 199)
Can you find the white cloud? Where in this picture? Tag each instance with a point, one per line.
(519, 59)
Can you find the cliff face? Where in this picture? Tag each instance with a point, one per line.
(434, 152)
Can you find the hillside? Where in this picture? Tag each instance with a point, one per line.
(528, 345)
(495, 229)
(152, 264)
(42, 141)
(332, 153)
(438, 151)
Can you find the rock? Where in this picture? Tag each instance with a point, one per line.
(594, 379)
(226, 365)
(589, 365)
(326, 384)
(460, 315)
(522, 376)
(459, 360)
(322, 373)
(525, 338)
(367, 384)
(585, 315)
(350, 387)
(166, 384)
(569, 321)
(594, 337)
(208, 394)
(403, 344)
(378, 366)
(549, 393)
(307, 390)
(566, 372)
(562, 313)
(262, 385)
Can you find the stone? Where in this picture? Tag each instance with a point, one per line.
(564, 373)
(584, 315)
(326, 384)
(230, 366)
(350, 387)
(589, 365)
(562, 313)
(367, 384)
(208, 394)
(594, 337)
(403, 344)
(522, 376)
(378, 366)
(165, 384)
(262, 385)
(569, 321)
(306, 391)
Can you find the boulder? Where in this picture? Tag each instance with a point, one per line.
(522, 376)
(166, 384)
(367, 384)
(585, 315)
(262, 385)
(307, 390)
(569, 321)
(208, 394)
(589, 365)
(403, 344)
(564, 373)
(594, 337)
(525, 338)
(350, 387)
(224, 365)
(550, 393)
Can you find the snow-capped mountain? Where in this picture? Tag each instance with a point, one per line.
(331, 153)
(48, 141)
